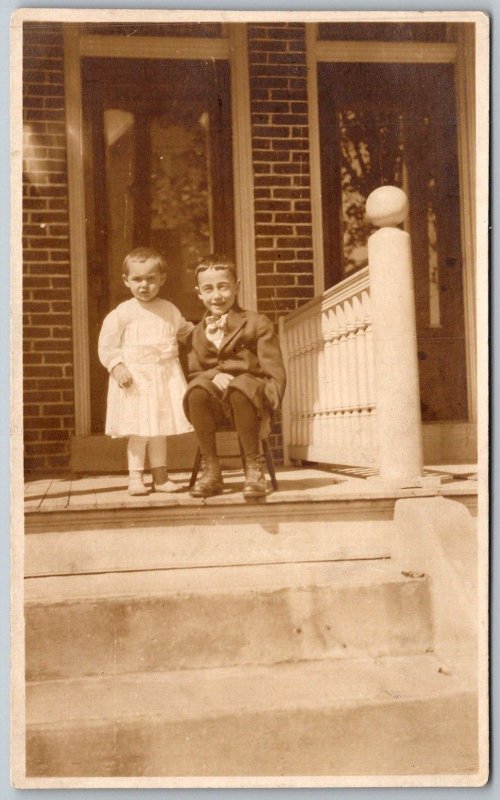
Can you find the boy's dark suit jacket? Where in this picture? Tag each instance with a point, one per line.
(250, 351)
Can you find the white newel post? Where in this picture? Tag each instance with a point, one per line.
(394, 338)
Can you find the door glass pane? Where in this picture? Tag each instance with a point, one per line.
(396, 124)
(119, 137)
(181, 192)
(158, 135)
(371, 155)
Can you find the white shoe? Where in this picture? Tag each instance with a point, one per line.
(136, 487)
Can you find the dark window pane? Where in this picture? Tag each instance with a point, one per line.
(209, 30)
(384, 31)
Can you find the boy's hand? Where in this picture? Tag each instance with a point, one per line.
(222, 380)
(122, 376)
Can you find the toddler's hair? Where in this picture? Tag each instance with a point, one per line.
(216, 261)
(145, 254)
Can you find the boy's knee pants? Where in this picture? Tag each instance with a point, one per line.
(207, 415)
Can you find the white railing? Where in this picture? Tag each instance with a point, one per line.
(353, 393)
(329, 409)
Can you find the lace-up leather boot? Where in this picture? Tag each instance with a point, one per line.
(210, 482)
(255, 479)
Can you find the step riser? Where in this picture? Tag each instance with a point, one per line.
(184, 631)
(436, 736)
(210, 542)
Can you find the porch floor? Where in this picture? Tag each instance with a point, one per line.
(296, 485)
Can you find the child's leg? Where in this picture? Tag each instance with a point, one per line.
(205, 415)
(136, 456)
(247, 424)
(157, 449)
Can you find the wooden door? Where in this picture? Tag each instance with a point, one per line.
(158, 172)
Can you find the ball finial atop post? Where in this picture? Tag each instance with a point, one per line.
(387, 207)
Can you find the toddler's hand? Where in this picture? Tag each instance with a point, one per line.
(222, 380)
(122, 376)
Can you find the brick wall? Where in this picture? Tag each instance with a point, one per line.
(280, 142)
(280, 145)
(48, 360)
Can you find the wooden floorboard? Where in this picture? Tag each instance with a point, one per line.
(57, 496)
(83, 489)
(35, 494)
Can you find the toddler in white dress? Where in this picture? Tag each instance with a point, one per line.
(138, 347)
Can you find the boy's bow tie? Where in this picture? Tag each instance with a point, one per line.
(214, 324)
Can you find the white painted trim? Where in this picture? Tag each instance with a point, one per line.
(242, 167)
(314, 162)
(102, 46)
(386, 52)
(78, 244)
(465, 92)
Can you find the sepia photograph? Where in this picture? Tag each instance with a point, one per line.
(250, 398)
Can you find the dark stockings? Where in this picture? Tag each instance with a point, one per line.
(207, 416)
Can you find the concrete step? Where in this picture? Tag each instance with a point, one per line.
(342, 717)
(194, 618)
(183, 536)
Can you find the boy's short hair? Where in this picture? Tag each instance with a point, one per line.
(145, 254)
(216, 261)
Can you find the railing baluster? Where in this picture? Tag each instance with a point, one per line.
(331, 376)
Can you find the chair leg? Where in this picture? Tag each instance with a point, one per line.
(196, 468)
(270, 464)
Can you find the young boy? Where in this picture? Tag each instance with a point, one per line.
(235, 370)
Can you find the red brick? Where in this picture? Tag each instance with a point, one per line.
(39, 423)
(57, 358)
(293, 59)
(49, 372)
(273, 230)
(272, 205)
(41, 396)
(60, 409)
(275, 280)
(289, 119)
(261, 144)
(277, 255)
(262, 241)
(54, 344)
(293, 216)
(55, 435)
(263, 216)
(271, 107)
(260, 168)
(272, 180)
(44, 448)
(272, 156)
(51, 319)
(32, 358)
(271, 131)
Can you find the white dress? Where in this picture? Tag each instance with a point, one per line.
(143, 336)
